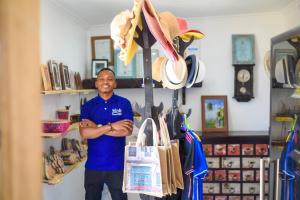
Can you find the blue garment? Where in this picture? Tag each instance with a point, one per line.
(200, 168)
(287, 168)
(106, 152)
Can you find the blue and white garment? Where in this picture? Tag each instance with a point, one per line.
(287, 167)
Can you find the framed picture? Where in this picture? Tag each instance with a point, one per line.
(97, 65)
(140, 62)
(123, 71)
(102, 48)
(214, 114)
(65, 76)
(46, 80)
(55, 75)
(243, 49)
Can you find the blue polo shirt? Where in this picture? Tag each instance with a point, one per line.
(106, 152)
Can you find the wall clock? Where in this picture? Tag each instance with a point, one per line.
(243, 59)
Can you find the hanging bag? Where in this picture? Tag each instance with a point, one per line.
(145, 168)
(174, 158)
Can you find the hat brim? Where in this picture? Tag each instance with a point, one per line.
(188, 34)
(201, 71)
(131, 46)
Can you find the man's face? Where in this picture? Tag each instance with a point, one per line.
(106, 82)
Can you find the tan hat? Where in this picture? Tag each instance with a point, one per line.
(129, 46)
(156, 68)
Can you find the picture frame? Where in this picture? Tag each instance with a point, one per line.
(102, 48)
(55, 75)
(65, 76)
(46, 80)
(214, 114)
(97, 65)
(243, 49)
(123, 71)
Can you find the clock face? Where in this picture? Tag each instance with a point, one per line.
(243, 90)
(243, 76)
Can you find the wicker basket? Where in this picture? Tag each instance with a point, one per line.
(55, 126)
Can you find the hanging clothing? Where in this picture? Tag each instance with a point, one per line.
(287, 167)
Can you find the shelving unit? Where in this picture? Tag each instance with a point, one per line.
(233, 162)
(59, 177)
(74, 126)
(85, 91)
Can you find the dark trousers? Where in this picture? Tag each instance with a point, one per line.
(94, 181)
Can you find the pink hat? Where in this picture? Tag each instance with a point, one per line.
(185, 32)
(160, 30)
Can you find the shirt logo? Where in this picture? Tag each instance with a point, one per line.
(116, 111)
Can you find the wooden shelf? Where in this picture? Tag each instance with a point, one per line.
(59, 177)
(85, 91)
(74, 126)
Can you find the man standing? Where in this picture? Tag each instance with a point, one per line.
(105, 122)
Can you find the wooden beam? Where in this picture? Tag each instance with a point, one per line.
(20, 139)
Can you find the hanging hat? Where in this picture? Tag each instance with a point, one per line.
(267, 63)
(124, 37)
(192, 67)
(161, 28)
(201, 71)
(281, 71)
(297, 74)
(168, 76)
(156, 68)
(186, 33)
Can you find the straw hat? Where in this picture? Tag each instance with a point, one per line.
(186, 33)
(156, 68)
(124, 36)
(162, 28)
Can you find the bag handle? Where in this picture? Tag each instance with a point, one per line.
(141, 137)
(164, 133)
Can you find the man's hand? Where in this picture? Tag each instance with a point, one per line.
(85, 123)
(122, 124)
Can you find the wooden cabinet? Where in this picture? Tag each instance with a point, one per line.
(234, 162)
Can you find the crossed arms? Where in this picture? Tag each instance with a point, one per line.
(89, 130)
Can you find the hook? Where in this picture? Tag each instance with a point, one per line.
(183, 45)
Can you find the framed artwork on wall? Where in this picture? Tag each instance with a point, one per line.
(46, 78)
(214, 114)
(55, 75)
(102, 48)
(97, 65)
(243, 49)
(123, 71)
(65, 76)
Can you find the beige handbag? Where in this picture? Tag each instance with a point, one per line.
(175, 164)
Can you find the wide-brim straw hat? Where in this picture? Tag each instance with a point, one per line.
(123, 31)
(156, 68)
(163, 27)
(186, 33)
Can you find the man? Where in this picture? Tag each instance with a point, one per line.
(105, 122)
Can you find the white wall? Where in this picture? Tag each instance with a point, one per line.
(63, 38)
(291, 15)
(215, 51)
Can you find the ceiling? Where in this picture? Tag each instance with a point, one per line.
(97, 12)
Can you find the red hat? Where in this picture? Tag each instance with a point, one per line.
(186, 33)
